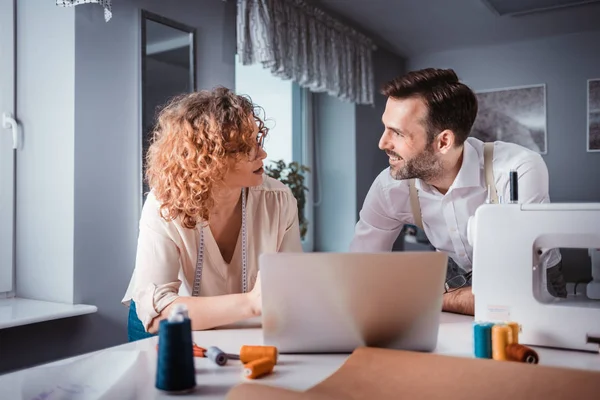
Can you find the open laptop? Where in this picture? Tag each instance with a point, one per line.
(335, 302)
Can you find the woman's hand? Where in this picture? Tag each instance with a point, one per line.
(255, 297)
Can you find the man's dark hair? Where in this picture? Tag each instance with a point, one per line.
(450, 103)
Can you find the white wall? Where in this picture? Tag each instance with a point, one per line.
(78, 177)
(46, 163)
(274, 96)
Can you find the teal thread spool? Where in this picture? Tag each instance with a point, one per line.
(175, 371)
(482, 339)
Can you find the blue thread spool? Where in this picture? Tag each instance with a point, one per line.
(482, 339)
(175, 371)
(217, 355)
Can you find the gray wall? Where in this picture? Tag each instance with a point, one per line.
(564, 64)
(335, 143)
(370, 160)
(79, 101)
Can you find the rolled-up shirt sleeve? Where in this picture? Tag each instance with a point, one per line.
(380, 218)
(156, 282)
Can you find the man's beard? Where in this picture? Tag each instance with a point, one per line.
(424, 166)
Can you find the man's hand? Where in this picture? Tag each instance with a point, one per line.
(460, 301)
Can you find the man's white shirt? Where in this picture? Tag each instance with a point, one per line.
(445, 217)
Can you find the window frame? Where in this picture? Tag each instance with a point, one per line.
(303, 152)
(7, 147)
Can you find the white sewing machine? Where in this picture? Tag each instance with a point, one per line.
(507, 240)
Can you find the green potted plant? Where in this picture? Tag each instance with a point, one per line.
(292, 175)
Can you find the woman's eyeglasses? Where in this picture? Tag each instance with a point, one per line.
(260, 140)
(260, 143)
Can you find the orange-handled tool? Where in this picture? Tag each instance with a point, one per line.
(198, 351)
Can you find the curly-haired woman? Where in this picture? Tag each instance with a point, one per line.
(210, 213)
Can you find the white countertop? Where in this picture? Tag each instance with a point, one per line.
(17, 311)
(128, 371)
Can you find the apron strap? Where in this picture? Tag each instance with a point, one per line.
(488, 158)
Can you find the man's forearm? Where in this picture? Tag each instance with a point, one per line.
(460, 301)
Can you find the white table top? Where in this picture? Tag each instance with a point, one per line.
(128, 371)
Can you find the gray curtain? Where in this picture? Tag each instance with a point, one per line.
(298, 41)
(104, 3)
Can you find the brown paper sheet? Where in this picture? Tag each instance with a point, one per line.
(382, 374)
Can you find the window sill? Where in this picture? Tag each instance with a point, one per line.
(17, 311)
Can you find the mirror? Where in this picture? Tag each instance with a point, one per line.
(168, 68)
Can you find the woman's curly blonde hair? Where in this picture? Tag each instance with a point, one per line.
(197, 138)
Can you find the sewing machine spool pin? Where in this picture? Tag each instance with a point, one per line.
(514, 187)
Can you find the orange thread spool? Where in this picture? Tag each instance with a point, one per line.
(252, 353)
(515, 328)
(501, 337)
(520, 353)
(257, 368)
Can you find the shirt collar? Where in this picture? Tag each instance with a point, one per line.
(469, 174)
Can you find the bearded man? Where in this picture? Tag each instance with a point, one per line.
(437, 178)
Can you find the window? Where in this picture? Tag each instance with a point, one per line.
(287, 112)
(274, 96)
(7, 152)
